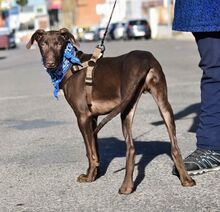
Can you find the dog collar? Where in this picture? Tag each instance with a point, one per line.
(57, 74)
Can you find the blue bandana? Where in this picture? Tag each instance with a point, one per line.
(58, 73)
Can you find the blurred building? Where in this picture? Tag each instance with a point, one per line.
(89, 13)
(86, 14)
(132, 9)
(160, 16)
(32, 16)
(24, 20)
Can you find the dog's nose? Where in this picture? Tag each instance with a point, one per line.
(50, 64)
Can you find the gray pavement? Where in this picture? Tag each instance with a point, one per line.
(42, 152)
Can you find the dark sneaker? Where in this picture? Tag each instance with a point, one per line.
(201, 161)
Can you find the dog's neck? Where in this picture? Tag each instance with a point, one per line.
(84, 58)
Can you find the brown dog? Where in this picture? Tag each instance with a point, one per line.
(118, 83)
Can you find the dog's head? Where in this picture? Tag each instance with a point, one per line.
(52, 45)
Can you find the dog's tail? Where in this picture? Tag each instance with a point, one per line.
(121, 106)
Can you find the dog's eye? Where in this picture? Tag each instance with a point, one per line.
(58, 44)
(43, 44)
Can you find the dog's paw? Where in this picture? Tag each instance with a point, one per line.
(125, 190)
(189, 182)
(85, 179)
(91, 176)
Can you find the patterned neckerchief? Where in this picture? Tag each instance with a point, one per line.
(57, 74)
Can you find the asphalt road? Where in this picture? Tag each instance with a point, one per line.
(42, 151)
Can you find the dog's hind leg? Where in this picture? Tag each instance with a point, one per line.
(87, 124)
(157, 87)
(127, 119)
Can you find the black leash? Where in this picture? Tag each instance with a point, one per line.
(107, 27)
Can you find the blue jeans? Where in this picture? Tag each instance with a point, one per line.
(208, 132)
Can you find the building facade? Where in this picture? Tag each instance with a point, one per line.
(86, 13)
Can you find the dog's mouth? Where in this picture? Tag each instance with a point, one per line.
(50, 64)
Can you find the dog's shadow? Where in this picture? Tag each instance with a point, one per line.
(110, 148)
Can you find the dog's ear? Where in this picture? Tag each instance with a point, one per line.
(36, 36)
(68, 36)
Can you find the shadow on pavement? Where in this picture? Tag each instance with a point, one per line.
(192, 109)
(110, 148)
(31, 124)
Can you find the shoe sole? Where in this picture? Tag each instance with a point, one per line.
(202, 171)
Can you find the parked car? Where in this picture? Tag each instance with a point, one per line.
(7, 38)
(88, 35)
(116, 31)
(138, 28)
(99, 33)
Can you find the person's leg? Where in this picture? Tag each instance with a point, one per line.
(208, 133)
(207, 155)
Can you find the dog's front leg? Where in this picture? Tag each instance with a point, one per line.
(87, 124)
